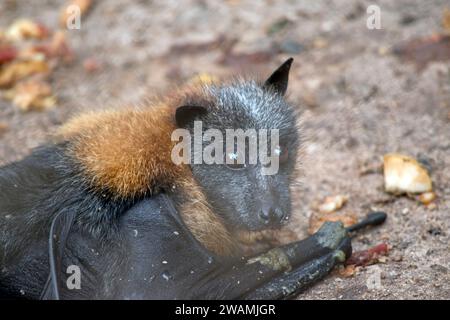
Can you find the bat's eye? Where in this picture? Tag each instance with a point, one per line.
(282, 153)
(231, 162)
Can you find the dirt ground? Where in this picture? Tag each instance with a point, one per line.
(359, 101)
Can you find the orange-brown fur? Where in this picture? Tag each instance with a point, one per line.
(127, 152)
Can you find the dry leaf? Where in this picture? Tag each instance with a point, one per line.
(91, 65)
(446, 21)
(2, 36)
(23, 71)
(309, 99)
(403, 174)
(32, 95)
(317, 219)
(31, 54)
(3, 128)
(320, 43)
(332, 204)
(370, 168)
(56, 48)
(191, 48)
(369, 256)
(202, 78)
(382, 51)
(427, 197)
(18, 70)
(66, 13)
(60, 48)
(422, 51)
(7, 54)
(245, 59)
(24, 29)
(347, 271)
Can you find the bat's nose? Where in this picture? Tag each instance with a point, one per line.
(271, 213)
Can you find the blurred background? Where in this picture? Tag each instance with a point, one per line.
(365, 89)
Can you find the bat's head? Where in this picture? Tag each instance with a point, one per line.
(244, 143)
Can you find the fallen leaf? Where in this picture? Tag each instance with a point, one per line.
(347, 271)
(244, 59)
(25, 65)
(446, 21)
(317, 219)
(382, 51)
(91, 65)
(203, 78)
(320, 43)
(431, 206)
(3, 128)
(309, 99)
(332, 204)
(32, 95)
(56, 48)
(24, 29)
(31, 54)
(369, 256)
(427, 197)
(66, 13)
(7, 54)
(424, 50)
(403, 174)
(18, 70)
(221, 42)
(370, 168)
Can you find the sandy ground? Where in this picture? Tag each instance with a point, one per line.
(359, 102)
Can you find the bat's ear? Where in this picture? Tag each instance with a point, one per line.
(185, 115)
(278, 81)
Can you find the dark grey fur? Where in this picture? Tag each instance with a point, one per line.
(140, 248)
(240, 195)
